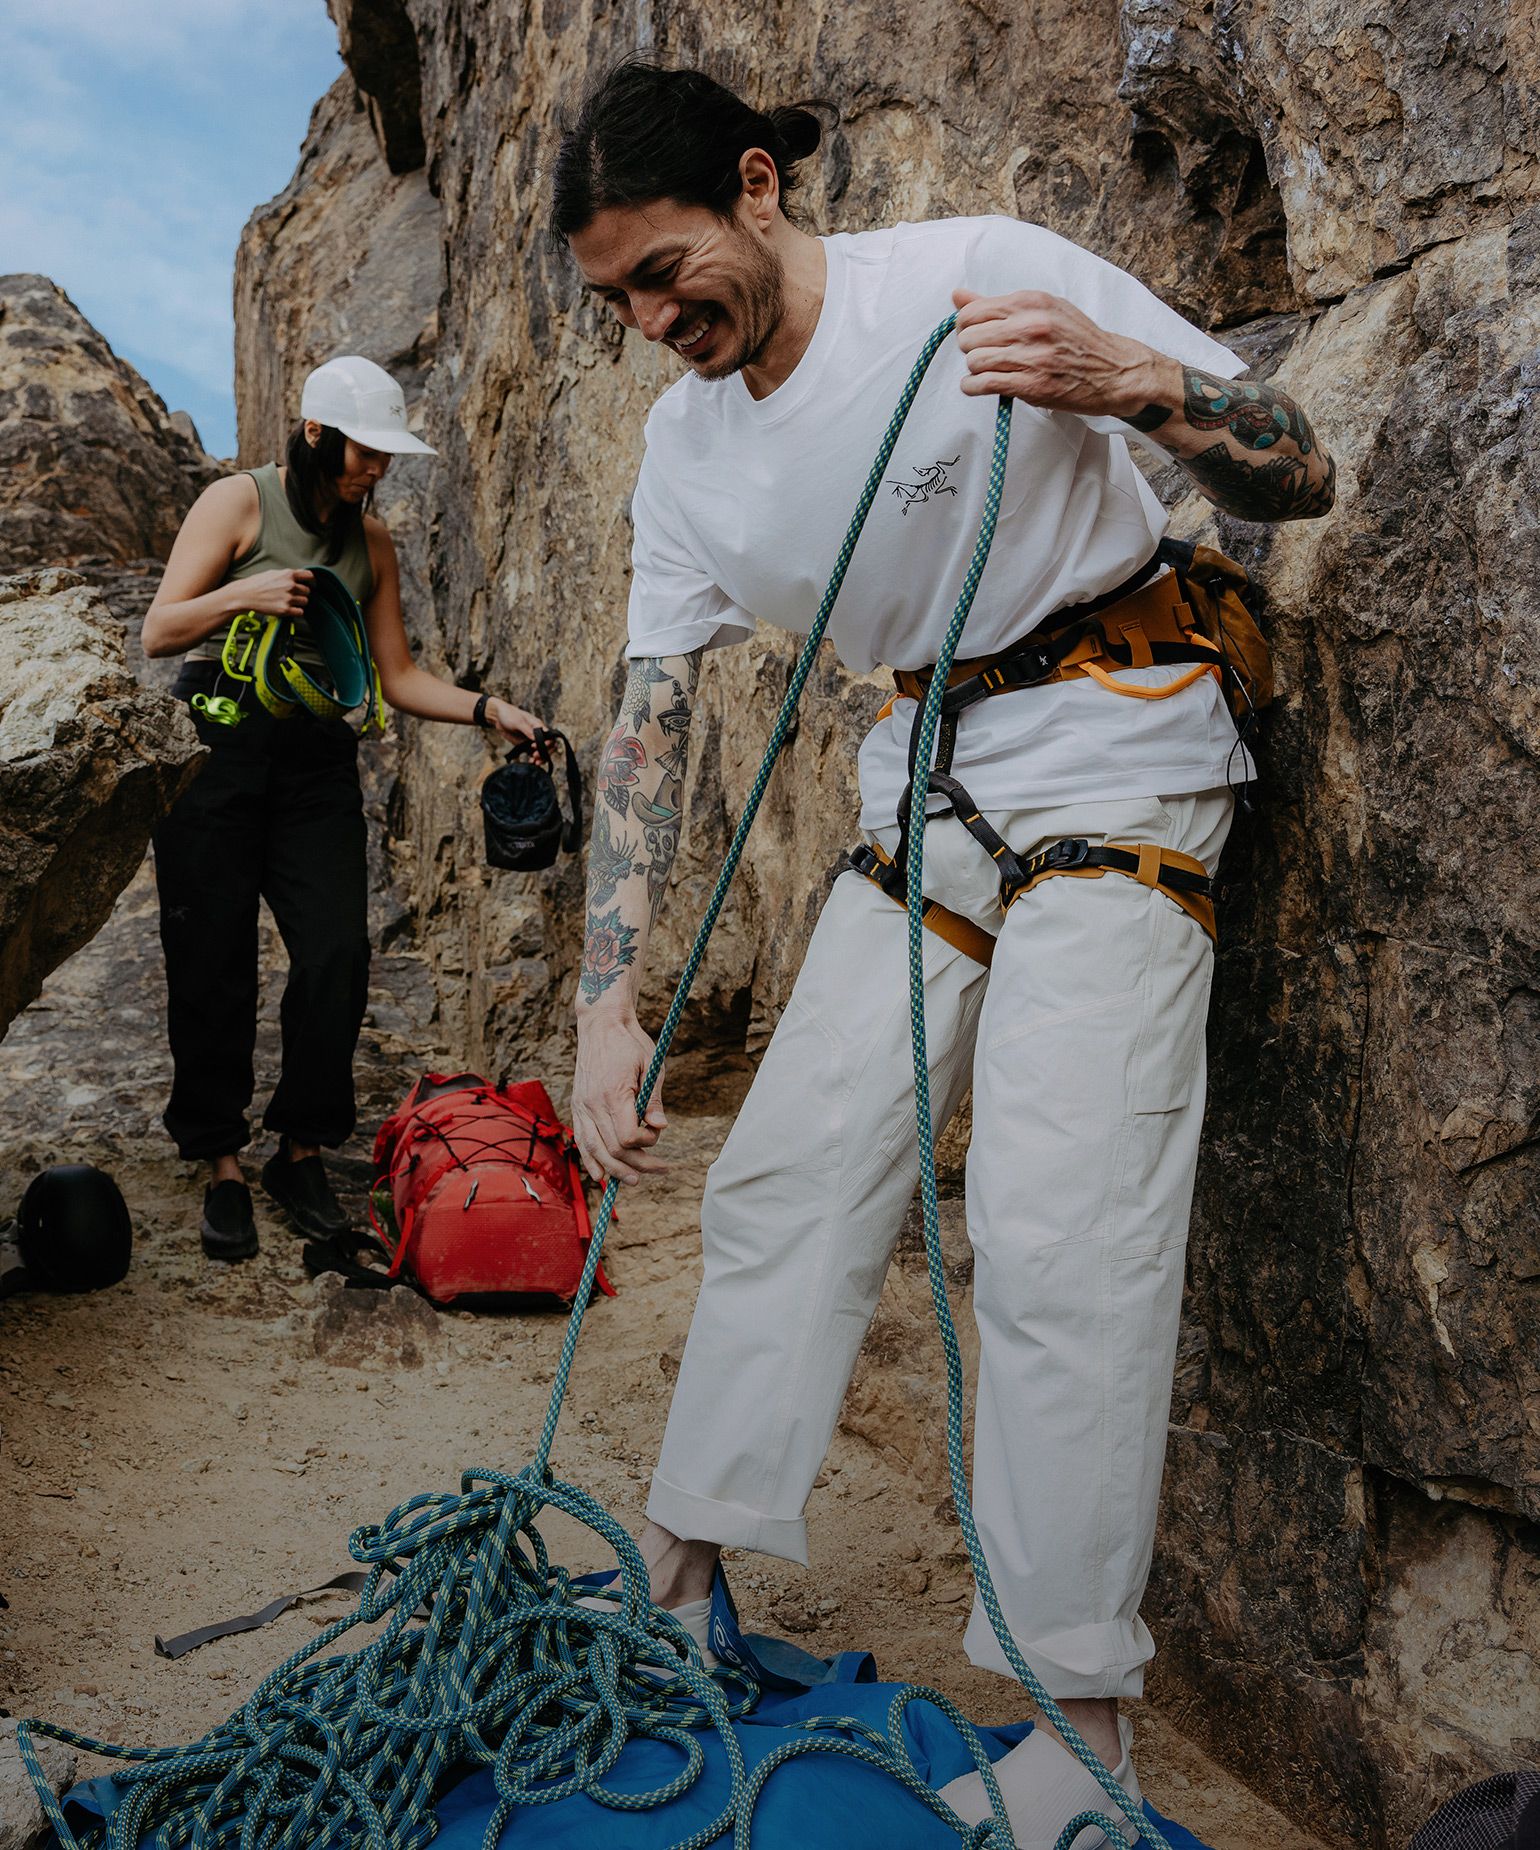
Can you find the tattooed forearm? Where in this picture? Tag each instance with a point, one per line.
(609, 947)
(641, 783)
(1256, 416)
(1281, 489)
(1150, 418)
(1267, 462)
(609, 861)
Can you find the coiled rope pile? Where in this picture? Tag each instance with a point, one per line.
(504, 1669)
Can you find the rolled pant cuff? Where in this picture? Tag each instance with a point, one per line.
(1089, 1661)
(702, 1519)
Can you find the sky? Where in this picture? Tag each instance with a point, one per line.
(135, 140)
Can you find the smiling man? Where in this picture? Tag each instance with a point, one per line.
(1106, 744)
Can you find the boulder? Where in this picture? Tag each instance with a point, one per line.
(89, 761)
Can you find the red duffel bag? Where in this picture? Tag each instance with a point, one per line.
(486, 1192)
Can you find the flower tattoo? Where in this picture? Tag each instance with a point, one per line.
(624, 756)
(608, 948)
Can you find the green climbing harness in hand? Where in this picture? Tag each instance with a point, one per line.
(506, 1671)
(266, 654)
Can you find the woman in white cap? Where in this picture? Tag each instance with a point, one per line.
(277, 813)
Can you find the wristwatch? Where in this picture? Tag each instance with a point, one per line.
(479, 717)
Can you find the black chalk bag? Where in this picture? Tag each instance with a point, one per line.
(522, 812)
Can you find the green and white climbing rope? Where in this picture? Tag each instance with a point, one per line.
(485, 1658)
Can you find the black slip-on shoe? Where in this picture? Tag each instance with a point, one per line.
(305, 1195)
(229, 1229)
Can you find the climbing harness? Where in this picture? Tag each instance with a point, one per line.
(506, 1670)
(262, 653)
(1182, 878)
(1197, 613)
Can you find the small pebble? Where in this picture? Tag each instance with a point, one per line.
(913, 1580)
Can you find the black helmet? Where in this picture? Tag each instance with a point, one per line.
(74, 1233)
(522, 814)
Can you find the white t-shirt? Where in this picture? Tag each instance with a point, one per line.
(741, 505)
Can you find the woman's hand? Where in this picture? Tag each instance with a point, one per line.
(612, 1057)
(517, 726)
(275, 594)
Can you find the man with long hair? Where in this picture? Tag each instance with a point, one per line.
(1079, 1013)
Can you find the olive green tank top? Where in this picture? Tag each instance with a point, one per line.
(282, 544)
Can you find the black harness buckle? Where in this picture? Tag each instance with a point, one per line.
(1074, 852)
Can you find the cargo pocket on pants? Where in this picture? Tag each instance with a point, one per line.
(1167, 1058)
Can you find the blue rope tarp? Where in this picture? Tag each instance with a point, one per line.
(811, 1804)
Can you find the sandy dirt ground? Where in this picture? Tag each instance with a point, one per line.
(201, 1439)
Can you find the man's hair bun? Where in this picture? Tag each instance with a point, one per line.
(798, 130)
(648, 133)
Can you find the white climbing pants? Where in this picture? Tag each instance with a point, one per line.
(1085, 1047)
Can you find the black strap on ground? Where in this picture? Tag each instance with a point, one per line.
(340, 1254)
(351, 1580)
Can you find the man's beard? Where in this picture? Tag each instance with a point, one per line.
(759, 304)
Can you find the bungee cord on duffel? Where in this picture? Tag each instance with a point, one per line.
(485, 1658)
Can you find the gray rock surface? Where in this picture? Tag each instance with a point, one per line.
(93, 469)
(88, 762)
(22, 1824)
(1347, 1589)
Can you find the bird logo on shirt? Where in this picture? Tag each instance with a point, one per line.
(927, 482)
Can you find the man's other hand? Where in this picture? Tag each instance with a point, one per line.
(612, 1057)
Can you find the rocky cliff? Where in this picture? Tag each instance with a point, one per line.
(95, 474)
(1347, 1589)
(94, 471)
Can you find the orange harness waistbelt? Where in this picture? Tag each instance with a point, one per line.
(1151, 626)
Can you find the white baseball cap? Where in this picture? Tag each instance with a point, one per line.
(361, 400)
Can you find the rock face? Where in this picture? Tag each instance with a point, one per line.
(93, 469)
(89, 761)
(1349, 1570)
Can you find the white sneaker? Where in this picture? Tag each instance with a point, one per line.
(1044, 1786)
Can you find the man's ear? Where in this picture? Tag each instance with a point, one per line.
(761, 186)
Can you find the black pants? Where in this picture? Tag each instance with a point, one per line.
(276, 814)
